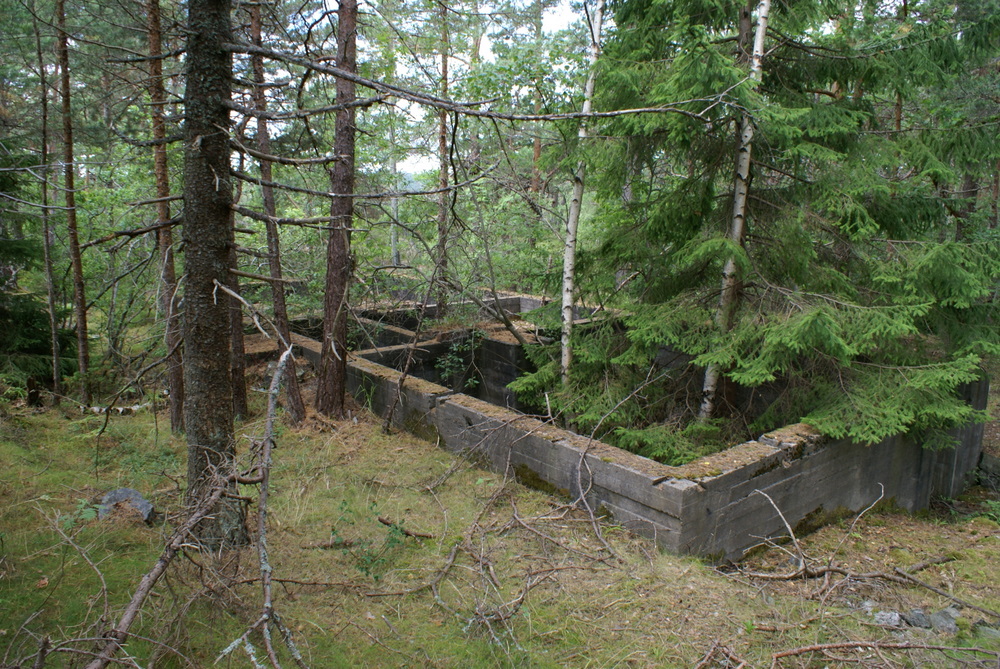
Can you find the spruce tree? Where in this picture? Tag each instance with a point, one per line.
(866, 280)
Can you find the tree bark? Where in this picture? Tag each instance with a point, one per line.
(394, 202)
(164, 236)
(332, 383)
(208, 401)
(294, 396)
(737, 227)
(576, 203)
(444, 198)
(970, 193)
(76, 261)
(537, 11)
(995, 200)
(237, 349)
(47, 236)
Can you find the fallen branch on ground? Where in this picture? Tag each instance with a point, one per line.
(876, 646)
(116, 637)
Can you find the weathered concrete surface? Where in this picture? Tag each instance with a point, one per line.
(498, 364)
(712, 507)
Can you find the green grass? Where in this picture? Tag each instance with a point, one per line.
(376, 597)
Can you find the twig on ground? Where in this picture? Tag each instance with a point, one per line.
(913, 579)
(410, 533)
(438, 577)
(520, 521)
(876, 646)
(717, 649)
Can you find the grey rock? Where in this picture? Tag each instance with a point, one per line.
(868, 606)
(917, 618)
(888, 619)
(987, 632)
(129, 497)
(945, 621)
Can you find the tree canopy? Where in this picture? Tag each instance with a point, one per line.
(860, 287)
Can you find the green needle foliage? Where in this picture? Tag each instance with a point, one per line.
(868, 274)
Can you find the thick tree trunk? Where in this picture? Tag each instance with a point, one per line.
(294, 396)
(444, 198)
(47, 236)
(332, 384)
(69, 184)
(164, 236)
(737, 226)
(576, 203)
(208, 400)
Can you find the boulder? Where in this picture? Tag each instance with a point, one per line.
(126, 497)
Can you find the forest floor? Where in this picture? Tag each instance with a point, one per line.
(389, 552)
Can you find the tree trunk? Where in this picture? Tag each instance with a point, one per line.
(332, 383)
(737, 227)
(444, 198)
(995, 200)
(237, 350)
(970, 193)
(76, 261)
(575, 204)
(164, 236)
(394, 202)
(50, 283)
(208, 400)
(294, 396)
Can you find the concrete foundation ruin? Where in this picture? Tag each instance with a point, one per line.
(718, 507)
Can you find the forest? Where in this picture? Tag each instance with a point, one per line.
(739, 216)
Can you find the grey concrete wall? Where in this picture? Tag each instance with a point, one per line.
(712, 507)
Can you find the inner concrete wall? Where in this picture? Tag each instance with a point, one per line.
(719, 507)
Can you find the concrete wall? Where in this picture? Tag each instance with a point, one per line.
(711, 507)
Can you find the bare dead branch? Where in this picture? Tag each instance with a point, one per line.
(469, 108)
(362, 196)
(259, 277)
(410, 533)
(944, 593)
(137, 232)
(175, 544)
(301, 113)
(877, 646)
(281, 160)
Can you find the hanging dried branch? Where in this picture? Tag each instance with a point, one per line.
(137, 232)
(249, 178)
(301, 113)
(469, 108)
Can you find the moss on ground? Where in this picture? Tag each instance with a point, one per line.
(506, 576)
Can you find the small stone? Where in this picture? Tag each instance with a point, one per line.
(888, 619)
(917, 618)
(987, 632)
(868, 606)
(945, 621)
(125, 497)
